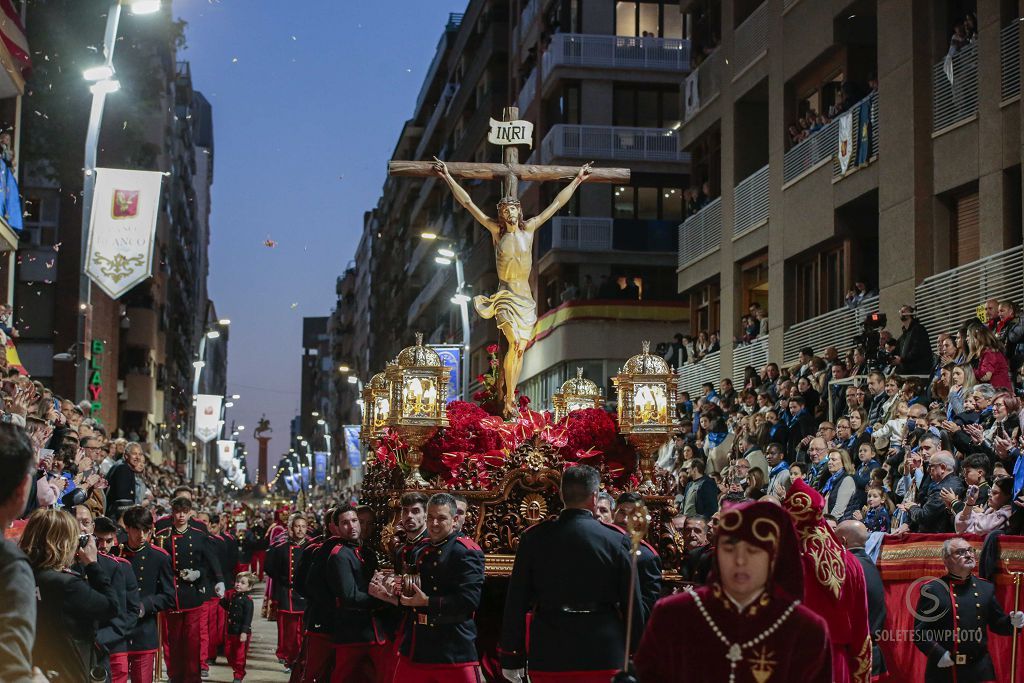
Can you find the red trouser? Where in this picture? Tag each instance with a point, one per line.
(182, 645)
(573, 676)
(409, 671)
(319, 657)
(362, 663)
(140, 666)
(215, 624)
(258, 558)
(236, 651)
(119, 667)
(289, 636)
(204, 631)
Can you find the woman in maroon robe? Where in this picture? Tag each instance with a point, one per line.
(747, 624)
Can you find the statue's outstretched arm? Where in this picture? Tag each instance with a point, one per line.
(463, 198)
(561, 199)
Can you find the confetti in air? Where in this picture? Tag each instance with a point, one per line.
(269, 243)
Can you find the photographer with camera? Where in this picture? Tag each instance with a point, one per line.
(69, 603)
(913, 348)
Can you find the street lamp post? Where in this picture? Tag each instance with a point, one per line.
(104, 84)
(446, 256)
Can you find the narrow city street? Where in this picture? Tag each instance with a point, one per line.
(262, 666)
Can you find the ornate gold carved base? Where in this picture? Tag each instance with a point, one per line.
(415, 437)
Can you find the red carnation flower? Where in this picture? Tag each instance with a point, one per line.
(492, 348)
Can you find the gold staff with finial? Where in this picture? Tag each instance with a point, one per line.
(637, 524)
(1016, 607)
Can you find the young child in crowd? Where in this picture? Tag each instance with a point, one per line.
(876, 515)
(239, 609)
(796, 471)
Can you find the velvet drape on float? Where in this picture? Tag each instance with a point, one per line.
(906, 564)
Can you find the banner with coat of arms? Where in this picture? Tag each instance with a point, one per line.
(225, 455)
(207, 417)
(845, 141)
(125, 206)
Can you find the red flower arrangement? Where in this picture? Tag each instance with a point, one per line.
(465, 434)
(592, 438)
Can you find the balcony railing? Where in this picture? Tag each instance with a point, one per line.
(751, 204)
(1009, 60)
(823, 145)
(439, 111)
(612, 142)
(944, 301)
(528, 91)
(700, 234)
(755, 353)
(617, 52)
(581, 234)
(955, 88)
(527, 16)
(835, 328)
(692, 375)
(751, 38)
(427, 294)
(702, 85)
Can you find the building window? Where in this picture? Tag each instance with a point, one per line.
(639, 107)
(639, 18)
(647, 203)
(42, 217)
(822, 280)
(569, 104)
(964, 231)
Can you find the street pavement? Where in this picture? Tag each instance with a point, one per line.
(262, 666)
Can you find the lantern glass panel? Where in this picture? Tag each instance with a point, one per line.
(650, 404)
(574, 404)
(419, 397)
(381, 412)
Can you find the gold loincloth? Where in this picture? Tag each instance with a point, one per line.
(514, 312)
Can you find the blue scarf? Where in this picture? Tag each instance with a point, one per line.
(783, 465)
(1018, 473)
(716, 438)
(832, 481)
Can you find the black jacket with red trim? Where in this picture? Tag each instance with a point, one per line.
(648, 570)
(404, 558)
(152, 568)
(349, 571)
(573, 574)
(191, 550)
(112, 635)
(311, 583)
(239, 610)
(282, 561)
(452, 576)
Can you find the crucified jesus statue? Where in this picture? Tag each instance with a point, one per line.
(513, 305)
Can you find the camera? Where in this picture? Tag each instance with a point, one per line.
(83, 540)
(869, 340)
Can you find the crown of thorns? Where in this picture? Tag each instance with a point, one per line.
(509, 201)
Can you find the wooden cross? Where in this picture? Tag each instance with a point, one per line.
(510, 171)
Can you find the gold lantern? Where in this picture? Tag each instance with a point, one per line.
(576, 393)
(419, 395)
(646, 388)
(376, 407)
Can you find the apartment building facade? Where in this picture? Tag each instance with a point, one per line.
(928, 209)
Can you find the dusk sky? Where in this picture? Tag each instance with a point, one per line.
(308, 97)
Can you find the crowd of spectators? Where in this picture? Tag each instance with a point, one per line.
(964, 33)
(906, 440)
(811, 121)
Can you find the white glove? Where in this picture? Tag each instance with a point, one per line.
(514, 675)
(189, 575)
(945, 661)
(218, 588)
(1017, 619)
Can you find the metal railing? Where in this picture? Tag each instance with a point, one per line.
(755, 353)
(944, 301)
(617, 52)
(439, 111)
(581, 234)
(750, 207)
(527, 93)
(835, 328)
(1009, 60)
(700, 234)
(786, 4)
(612, 142)
(824, 144)
(527, 16)
(709, 83)
(955, 88)
(427, 294)
(751, 38)
(692, 375)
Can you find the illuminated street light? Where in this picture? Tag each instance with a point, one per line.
(235, 397)
(212, 334)
(224, 321)
(229, 404)
(199, 364)
(321, 421)
(98, 73)
(145, 6)
(343, 368)
(105, 87)
(443, 260)
(352, 379)
(446, 252)
(428, 235)
(461, 298)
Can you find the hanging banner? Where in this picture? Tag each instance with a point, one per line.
(691, 95)
(864, 132)
(207, 417)
(845, 140)
(353, 446)
(320, 467)
(125, 206)
(225, 455)
(451, 357)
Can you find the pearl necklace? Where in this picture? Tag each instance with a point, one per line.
(735, 653)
